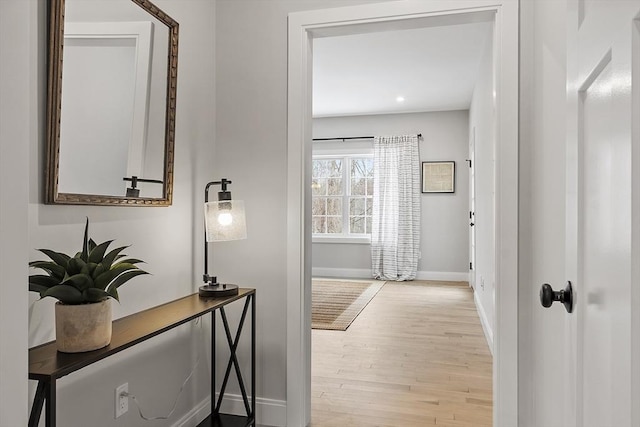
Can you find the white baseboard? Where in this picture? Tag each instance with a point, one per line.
(446, 276)
(269, 412)
(195, 415)
(484, 321)
(363, 273)
(342, 273)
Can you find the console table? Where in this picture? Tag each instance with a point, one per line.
(47, 365)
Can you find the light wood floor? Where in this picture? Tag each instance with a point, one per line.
(415, 356)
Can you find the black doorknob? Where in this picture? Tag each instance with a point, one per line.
(471, 224)
(548, 296)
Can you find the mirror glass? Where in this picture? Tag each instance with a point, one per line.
(112, 87)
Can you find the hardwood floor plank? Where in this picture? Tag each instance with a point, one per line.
(415, 356)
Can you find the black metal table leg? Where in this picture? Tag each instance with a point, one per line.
(38, 403)
(216, 418)
(213, 363)
(233, 360)
(50, 396)
(46, 392)
(253, 358)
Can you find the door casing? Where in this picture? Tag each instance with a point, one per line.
(303, 27)
(472, 209)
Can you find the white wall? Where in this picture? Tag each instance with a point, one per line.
(444, 239)
(168, 239)
(15, 108)
(482, 122)
(542, 211)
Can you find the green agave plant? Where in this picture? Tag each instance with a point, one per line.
(92, 275)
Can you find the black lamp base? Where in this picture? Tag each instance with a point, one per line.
(218, 290)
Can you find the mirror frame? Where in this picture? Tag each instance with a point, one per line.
(54, 104)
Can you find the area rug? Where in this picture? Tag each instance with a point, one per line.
(335, 303)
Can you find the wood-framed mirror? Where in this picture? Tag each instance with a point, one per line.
(111, 108)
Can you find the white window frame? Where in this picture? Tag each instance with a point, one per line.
(344, 237)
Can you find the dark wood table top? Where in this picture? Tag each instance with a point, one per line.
(45, 362)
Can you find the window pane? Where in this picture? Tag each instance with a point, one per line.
(334, 206)
(319, 225)
(334, 225)
(319, 169)
(324, 168)
(369, 225)
(358, 168)
(369, 186)
(334, 167)
(315, 168)
(319, 187)
(369, 206)
(319, 206)
(356, 225)
(334, 186)
(356, 206)
(368, 162)
(358, 186)
(362, 167)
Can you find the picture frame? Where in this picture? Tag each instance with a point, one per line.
(439, 177)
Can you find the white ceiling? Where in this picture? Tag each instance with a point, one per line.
(433, 68)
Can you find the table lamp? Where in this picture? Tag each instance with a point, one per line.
(224, 221)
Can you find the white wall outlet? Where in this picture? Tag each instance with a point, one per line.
(482, 283)
(122, 399)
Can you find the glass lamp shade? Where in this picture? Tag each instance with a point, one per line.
(225, 220)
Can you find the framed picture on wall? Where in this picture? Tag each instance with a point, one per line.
(439, 177)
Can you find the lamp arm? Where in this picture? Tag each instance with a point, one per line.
(205, 276)
(135, 180)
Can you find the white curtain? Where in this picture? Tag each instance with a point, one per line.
(395, 233)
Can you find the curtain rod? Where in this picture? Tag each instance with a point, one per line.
(345, 138)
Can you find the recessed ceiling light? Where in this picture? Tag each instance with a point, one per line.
(400, 99)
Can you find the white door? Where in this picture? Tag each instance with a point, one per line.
(603, 53)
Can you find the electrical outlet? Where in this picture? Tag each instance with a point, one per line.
(482, 283)
(122, 399)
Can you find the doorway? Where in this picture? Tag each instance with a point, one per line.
(435, 81)
(303, 27)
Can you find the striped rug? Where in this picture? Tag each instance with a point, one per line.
(335, 303)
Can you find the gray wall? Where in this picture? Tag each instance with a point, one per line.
(15, 108)
(444, 240)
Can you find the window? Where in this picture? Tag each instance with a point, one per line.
(342, 188)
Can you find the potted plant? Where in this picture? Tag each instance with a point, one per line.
(83, 285)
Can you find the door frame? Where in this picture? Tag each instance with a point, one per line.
(303, 27)
(472, 208)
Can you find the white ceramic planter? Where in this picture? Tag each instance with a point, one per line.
(83, 327)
